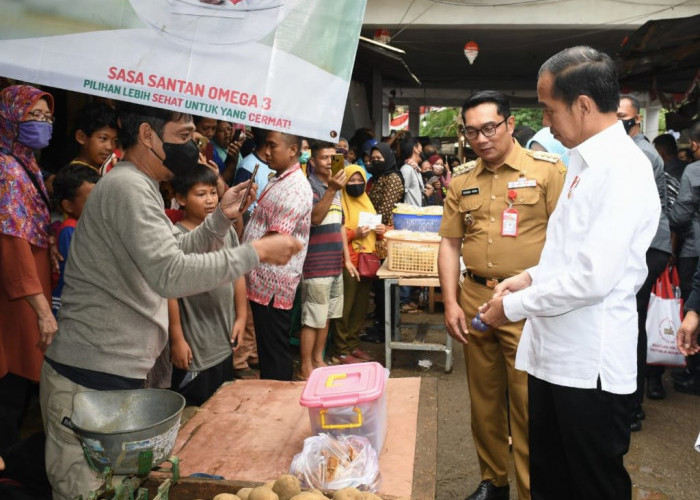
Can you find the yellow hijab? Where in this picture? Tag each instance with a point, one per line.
(352, 206)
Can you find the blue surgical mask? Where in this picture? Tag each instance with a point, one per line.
(304, 156)
(35, 134)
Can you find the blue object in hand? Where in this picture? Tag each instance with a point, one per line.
(479, 325)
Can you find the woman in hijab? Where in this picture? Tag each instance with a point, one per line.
(27, 324)
(386, 191)
(356, 293)
(387, 185)
(543, 140)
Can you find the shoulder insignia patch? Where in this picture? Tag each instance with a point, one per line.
(463, 168)
(543, 156)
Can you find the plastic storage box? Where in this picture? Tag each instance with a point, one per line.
(348, 399)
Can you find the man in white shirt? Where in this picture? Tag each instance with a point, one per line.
(580, 338)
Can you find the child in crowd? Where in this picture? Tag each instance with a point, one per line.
(96, 134)
(71, 187)
(322, 283)
(204, 328)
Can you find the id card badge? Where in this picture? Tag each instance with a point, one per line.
(510, 222)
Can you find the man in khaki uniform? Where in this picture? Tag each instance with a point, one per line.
(496, 210)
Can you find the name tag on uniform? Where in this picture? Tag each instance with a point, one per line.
(522, 183)
(509, 226)
(467, 192)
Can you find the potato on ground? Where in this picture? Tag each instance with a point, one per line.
(287, 486)
(243, 493)
(263, 493)
(226, 496)
(348, 494)
(308, 495)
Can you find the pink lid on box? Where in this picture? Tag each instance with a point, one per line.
(344, 385)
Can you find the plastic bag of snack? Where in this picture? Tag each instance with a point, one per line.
(335, 462)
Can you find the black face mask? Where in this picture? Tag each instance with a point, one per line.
(628, 124)
(377, 167)
(180, 159)
(355, 190)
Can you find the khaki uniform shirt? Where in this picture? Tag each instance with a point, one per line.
(474, 209)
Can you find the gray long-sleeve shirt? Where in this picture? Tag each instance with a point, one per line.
(662, 239)
(125, 259)
(686, 209)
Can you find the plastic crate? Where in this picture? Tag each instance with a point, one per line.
(418, 223)
(412, 256)
(348, 399)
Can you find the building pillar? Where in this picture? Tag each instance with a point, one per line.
(414, 118)
(651, 121)
(378, 114)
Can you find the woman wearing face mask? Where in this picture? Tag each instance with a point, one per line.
(386, 191)
(361, 240)
(441, 171)
(26, 322)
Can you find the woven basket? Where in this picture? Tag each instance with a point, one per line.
(413, 256)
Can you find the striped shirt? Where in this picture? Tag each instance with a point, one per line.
(325, 255)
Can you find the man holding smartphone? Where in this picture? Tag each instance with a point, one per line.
(322, 278)
(226, 149)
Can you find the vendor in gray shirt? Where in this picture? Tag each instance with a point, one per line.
(124, 261)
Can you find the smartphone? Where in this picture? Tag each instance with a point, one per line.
(247, 190)
(236, 134)
(201, 143)
(337, 163)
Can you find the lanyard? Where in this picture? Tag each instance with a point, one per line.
(279, 180)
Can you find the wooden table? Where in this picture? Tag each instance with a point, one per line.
(250, 430)
(393, 332)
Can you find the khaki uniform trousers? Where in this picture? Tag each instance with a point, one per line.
(66, 466)
(490, 360)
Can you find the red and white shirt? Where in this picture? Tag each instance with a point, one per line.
(284, 207)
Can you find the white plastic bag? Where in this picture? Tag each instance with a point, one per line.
(334, 462)
(663, 320)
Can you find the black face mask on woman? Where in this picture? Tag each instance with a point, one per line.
(377, 167)
(180, 159)
(355, 190)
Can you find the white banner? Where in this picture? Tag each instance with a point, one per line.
(277, 64)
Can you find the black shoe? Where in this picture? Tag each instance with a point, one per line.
(689, 386)
(655, 388)
(373, 334)
(636, 425)
(638, 414)
(488, 491)
(680, 374)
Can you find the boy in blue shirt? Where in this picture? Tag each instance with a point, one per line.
(71, 187)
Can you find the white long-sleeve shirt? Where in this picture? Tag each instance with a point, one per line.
(581, 309)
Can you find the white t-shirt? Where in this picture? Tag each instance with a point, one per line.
(581, 309)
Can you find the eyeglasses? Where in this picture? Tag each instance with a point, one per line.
(489, 130)
(40, 117)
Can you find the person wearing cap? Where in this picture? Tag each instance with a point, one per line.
(495, 216)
